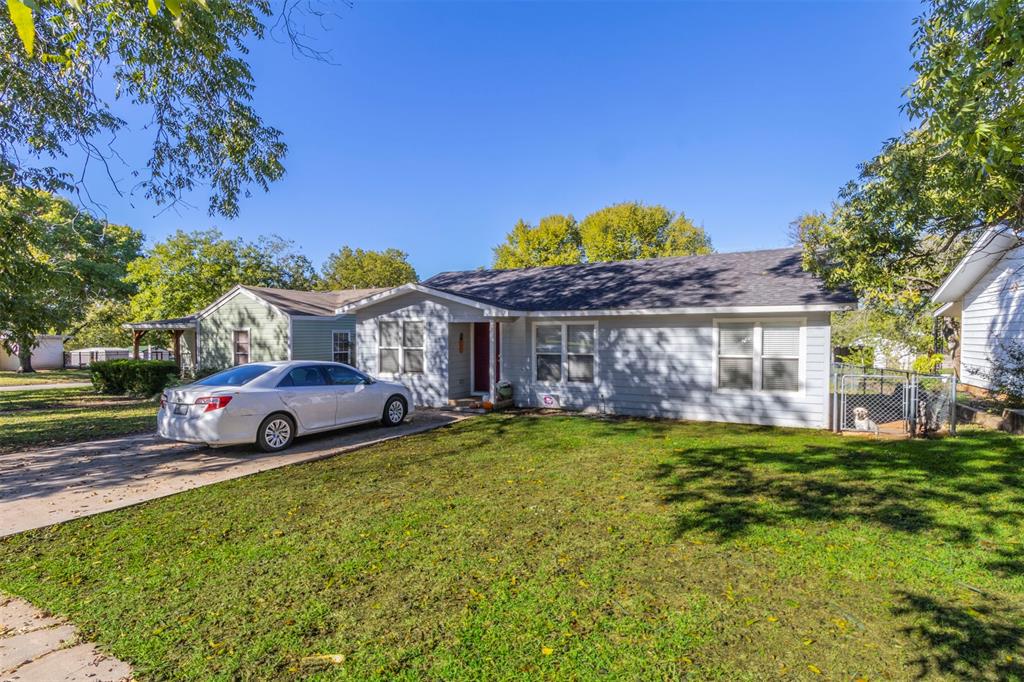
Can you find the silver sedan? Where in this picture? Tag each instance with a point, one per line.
(270, 403)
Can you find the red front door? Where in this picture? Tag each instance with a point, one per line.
(481, 344)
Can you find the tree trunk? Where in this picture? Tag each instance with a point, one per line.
(951, 334)
(25, 356)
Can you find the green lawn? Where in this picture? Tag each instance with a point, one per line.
(44, 376)
(64, 415)
(565, 547)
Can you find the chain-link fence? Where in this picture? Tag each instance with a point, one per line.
(892, 402)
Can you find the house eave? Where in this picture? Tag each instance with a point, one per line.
(506, 313)
(984, 254)
(230, 294)
(697, 310)
(487, 309)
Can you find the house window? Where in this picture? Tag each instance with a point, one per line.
(756, 356)
(565, 352)
(412, 347)
(241, 343)
(780, 357)
(343, 347)
(736, 356)
(401, 347)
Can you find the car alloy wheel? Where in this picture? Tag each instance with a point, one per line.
(277, 433)
(396, 411)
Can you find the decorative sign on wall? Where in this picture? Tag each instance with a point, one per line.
(549, 400)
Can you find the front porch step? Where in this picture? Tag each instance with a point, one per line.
(476, 405)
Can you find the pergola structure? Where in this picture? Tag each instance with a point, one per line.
(176, 326)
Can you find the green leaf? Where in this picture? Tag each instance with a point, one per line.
(174, 6)
(153, 7)
(21, 16)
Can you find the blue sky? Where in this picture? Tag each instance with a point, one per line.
(441, 124)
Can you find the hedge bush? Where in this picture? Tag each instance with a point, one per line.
(135, 377)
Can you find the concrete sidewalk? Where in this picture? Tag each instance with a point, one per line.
(35, 646)
(42, 487)
(44, 387)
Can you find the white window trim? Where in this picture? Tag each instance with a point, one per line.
(351, 345)
(234, 353)
(564, 382)
(758, 323)
(401, 322)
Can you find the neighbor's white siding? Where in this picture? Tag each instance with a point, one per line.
(663, 366)
(49, 354)
(993, 313)
(430, 387)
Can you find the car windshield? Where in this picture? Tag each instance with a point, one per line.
(236, 376)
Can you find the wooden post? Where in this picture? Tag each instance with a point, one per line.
(137, 335)
(176, 335)
(492, 336)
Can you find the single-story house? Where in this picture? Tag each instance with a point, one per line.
(253, 324)
(985, 293)
(737, 337)
(48, 354)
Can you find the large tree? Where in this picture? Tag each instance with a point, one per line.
(623, 231)
(917, 206)
(183, 62)
(55, 261)
(554, 241)
(634, 230)
(189, 270)
(102, 325)
(350, 268)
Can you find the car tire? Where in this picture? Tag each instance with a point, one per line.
(276, 433)
(395, 410)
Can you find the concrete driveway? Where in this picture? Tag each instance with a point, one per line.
(43, 487)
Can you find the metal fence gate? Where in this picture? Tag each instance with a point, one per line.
(892, 401)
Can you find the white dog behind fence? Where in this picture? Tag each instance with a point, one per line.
(862, 420)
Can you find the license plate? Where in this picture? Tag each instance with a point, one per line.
(181, 408)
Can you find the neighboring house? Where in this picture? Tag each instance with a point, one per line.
(48, 354)
(985, 293)
(737, 337)
(886, 353)
(83, 357)
(252, 324)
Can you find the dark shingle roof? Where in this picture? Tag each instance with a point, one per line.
(751, 278)
(310, 302)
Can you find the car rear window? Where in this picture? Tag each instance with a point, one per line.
(236, 376)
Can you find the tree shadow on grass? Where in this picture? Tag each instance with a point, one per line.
(984, 642)
(963, 492)
(728, 489)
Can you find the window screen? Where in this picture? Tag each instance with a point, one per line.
(736, 356)
(780, 357)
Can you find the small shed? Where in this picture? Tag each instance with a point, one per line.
(48, 354)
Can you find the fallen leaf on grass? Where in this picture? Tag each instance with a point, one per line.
(814, 669)
(324, 658)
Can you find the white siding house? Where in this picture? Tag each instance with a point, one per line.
(727, 337)
(48, 354)
(985, 292)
